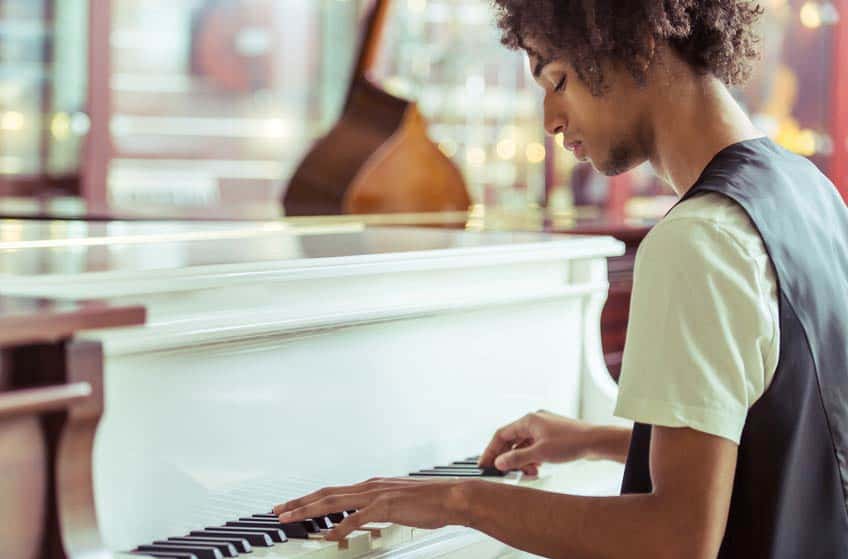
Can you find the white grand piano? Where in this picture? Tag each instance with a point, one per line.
(276, 359)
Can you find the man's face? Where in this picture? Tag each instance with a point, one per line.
(609, 130)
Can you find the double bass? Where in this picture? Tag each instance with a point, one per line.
(377, 158)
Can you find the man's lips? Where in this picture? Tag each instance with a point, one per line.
(578, 149)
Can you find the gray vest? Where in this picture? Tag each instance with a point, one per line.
(791, 487)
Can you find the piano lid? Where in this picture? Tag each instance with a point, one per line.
(59, 249)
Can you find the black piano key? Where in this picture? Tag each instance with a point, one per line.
(254, 523)
(311, 526)
(273, 522)
(337, 517)
(272, 527)
(202, 552)
(472, 463)
(483, 472)
(225, 545)
(463, 471)
(274, 532)
(226, 549)
(165, 555)
(241, 545)
(350, 512)
(446, 473)
(259, 539)
(323, 522)
(295, 530)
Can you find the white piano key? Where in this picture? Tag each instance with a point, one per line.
(386, 535)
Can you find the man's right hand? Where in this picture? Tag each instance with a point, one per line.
(537, 438)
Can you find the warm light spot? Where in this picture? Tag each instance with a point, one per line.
(805, 142)
(60, 126)
(12, 121)
(811, 15)
(506, 148)
(476, 156)
(535, 152)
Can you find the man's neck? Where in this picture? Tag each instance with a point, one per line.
(691, 124)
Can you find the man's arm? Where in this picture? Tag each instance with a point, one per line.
(685, 516)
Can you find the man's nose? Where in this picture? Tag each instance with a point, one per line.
(555, 121)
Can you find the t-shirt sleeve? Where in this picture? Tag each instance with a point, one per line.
(698, 326)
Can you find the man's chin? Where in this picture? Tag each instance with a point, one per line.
(610, 170)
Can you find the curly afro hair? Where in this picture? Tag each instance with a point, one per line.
(714, 36)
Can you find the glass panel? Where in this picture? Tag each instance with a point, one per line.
(42, 92)
(216, 100)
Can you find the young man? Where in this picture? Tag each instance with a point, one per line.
(735, 368)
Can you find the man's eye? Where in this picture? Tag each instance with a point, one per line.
(560, 85)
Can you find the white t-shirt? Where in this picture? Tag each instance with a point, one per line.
(703, 334)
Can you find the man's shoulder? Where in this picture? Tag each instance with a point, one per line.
(701, 225)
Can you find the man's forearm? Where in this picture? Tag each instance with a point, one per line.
(567, 526)
(608, 443)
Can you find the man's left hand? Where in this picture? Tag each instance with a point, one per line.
(410, 502)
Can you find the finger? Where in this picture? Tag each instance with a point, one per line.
(504, 439)
(354, 522)
(531, 470)
(370, 485)
(310, 498)
(329, 504)
(516, 459)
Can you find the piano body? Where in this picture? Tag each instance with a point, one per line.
(278, 358)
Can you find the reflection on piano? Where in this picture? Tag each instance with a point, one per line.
(276, 360)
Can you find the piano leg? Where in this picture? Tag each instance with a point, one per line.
(69, 529)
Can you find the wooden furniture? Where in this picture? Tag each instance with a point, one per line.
(377, 158)
(50, 403)
(264, 338)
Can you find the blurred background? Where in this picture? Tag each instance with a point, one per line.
(210, 104)
(204, 109)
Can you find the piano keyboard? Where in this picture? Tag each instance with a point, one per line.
(262, 536)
